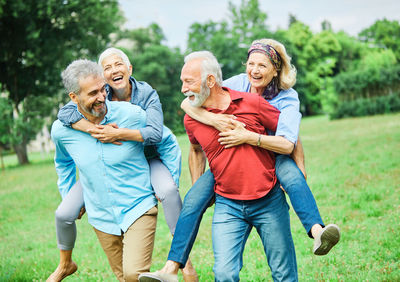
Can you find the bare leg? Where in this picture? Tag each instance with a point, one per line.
(189, 273)
(65, 268)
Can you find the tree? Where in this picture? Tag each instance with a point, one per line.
(230, 39)
(39, 38)
(383, 34)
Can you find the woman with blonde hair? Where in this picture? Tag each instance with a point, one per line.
(270, 74)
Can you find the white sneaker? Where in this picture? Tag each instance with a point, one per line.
(158, 277)
(327, 238)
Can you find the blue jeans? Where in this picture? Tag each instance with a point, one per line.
(295, 185)
(232, 224)
(199, 196)
(196, 201)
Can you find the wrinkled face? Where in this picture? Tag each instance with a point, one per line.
(192, 85)
(91, 99)
(116, 72)
(260, 70)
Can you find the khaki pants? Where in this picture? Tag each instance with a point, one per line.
(130, 254)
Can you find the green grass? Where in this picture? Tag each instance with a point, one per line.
(353, 168)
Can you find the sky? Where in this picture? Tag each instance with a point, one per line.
(176, 16)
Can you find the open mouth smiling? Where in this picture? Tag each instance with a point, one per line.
(117, 78)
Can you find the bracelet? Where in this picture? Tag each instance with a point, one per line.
(259, 140)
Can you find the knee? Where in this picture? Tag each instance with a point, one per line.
(223, 274)
(64, 216)
(290, 176)
(131, 275)
(169, 191)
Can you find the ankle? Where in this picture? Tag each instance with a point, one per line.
(316, 230)
(171, 267)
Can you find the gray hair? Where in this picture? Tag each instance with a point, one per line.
(114, 51)
(209, 66)
(77, 70)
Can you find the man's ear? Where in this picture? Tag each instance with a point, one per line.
(130, 70)
(210, 81)
(74, 97)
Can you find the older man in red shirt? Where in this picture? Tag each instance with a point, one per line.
(247, 193)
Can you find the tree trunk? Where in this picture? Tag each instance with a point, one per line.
(20, 150)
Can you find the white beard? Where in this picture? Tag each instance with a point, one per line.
(199, 98)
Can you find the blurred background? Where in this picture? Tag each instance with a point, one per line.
(348, 78)
(346, 53)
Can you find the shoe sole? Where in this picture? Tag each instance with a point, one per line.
(329, 238)
(150, 277)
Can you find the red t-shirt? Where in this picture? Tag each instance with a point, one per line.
(242, 172)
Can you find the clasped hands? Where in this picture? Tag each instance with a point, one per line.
(107, 133)
(232, 132)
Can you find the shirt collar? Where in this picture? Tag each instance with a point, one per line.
(110, 91)
(235, 97)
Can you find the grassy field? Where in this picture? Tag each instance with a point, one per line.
(353, 168)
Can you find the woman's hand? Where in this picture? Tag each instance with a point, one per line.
(222, 122)
(235, 136)
(106, 133)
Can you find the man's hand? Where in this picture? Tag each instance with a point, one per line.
(108, 133)
(237, 135)
(81, 213)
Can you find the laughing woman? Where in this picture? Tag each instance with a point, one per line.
(270, 74)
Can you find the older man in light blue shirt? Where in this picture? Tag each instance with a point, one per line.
(118, 196)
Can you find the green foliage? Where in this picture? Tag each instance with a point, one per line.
(230, 39)
(42, 38)
(383, 34)
(158, 65)
(6, 113)
(371, 81)
(368, 106)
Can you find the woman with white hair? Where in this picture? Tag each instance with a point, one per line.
(164, 164)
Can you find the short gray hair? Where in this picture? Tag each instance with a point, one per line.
(114, 51)
(77, 70)
(209, 66)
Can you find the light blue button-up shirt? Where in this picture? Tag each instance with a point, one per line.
(287, 102)
(115, 179)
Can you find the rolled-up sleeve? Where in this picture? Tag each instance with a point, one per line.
(170, 154)
(69, 114)
(152, 132)
(290, 117)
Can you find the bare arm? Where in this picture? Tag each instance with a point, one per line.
(197, 162)
(298, 157)
(221, 122)
(83, 125)
(110, 133)
(240, 135)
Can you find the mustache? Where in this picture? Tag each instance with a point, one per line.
(190, 93)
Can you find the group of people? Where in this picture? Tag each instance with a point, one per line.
(247, 128)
